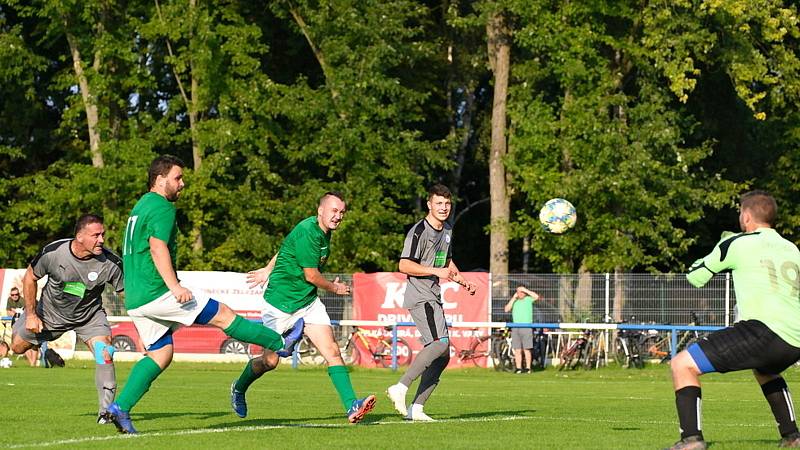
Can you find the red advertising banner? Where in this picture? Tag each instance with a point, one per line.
(379, 296)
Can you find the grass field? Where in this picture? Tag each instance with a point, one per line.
(188, 408)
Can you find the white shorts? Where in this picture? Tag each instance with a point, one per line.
(156, 318)
(279, 321)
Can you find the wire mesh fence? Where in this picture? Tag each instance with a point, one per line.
(630, 297)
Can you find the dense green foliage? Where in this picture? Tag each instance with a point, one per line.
(187, 408)
(649, 116)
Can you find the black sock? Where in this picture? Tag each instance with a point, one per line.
(688, 400)
(780, 401)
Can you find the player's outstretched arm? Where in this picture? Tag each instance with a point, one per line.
(32, 321)
(259, 277)
(704, 269)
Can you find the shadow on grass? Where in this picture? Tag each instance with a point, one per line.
(145, 416)
(492, 414)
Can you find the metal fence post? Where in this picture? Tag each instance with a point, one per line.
(727, 299)
(394, 348)
(608, 298)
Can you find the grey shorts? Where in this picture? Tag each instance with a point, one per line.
(430, 321)
(522, 338)
(97, 325)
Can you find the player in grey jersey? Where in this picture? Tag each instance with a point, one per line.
(77, 271)
(427, 258)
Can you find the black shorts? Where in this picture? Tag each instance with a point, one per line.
(747, 345)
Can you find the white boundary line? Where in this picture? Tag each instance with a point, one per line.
(253, 428)
(116, 437)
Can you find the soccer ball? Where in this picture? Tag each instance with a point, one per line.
(5, 363)
(558, 215)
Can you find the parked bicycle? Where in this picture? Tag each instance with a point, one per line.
(570, 356)
(379, 348)
(539, 350)
(661, 347)
(627, 348)
(595, 352)
(478, 349)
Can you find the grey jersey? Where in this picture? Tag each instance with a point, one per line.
(72, 294)
(428, 247)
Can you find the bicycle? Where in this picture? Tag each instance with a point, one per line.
(477, 351)
(661, 348)
(627, 349)
(570, 356)
(539, 350)
(380, 348)
(594, 354)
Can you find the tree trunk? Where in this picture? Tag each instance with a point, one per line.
(583, 295)
(565, 298)
(89, 101)
(499, 48)
(619, 295)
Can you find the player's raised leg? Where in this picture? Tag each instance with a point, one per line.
(221, 316)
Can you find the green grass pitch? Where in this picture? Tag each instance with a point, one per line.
(188, 407)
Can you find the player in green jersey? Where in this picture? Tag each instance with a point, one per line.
(294, 276)
(155, 298)
(766, 336)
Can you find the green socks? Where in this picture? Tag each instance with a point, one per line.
(341, 381)
(254, 333)
(246, 378)
(142, 376)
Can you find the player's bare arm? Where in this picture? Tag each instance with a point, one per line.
(416, 269)
(32, 321)
(314, 277)
(456, 276)
(160, 253)
(259, 277)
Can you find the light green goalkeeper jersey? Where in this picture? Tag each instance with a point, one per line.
(766, 278)
(152, 216)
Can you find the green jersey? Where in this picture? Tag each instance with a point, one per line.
(152, 216)
(522, 310)
(766, 278)
(305, 247)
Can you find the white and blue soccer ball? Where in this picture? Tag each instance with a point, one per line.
(558, 216)
(5, 363)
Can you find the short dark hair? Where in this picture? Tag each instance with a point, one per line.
(336, 194)
(161, 167)
(13, 288)
(440, 190)
(86, 220)
(761, 205)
